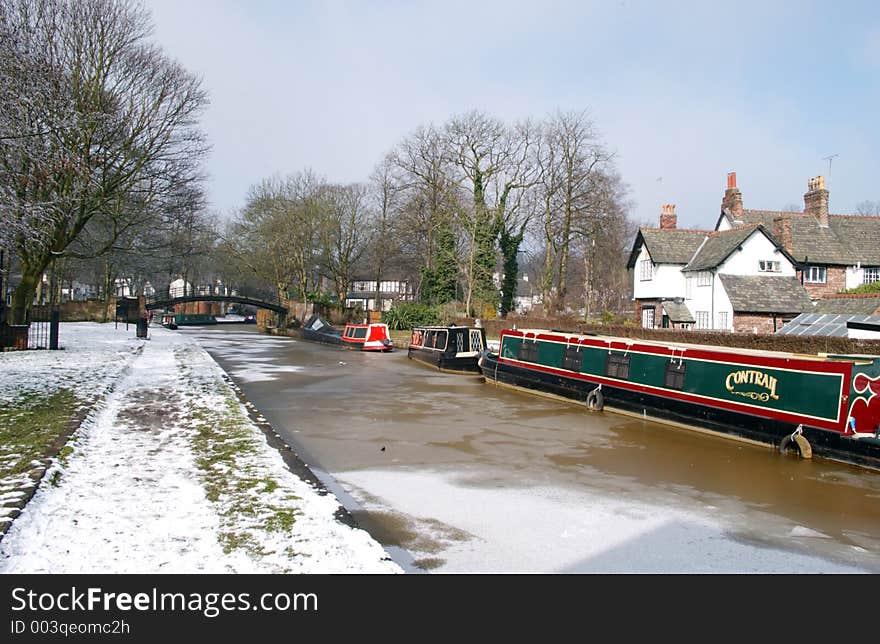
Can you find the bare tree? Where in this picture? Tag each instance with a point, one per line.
(868, 208)
(345, 233)
(426, 215)
(386, 188)
(104, 126)
(575, 167)
(275, 237)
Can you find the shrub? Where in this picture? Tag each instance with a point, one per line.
(406, 315)
(871, 287)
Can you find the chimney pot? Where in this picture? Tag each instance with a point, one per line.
(731, 179)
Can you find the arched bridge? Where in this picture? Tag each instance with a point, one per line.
(167, 299)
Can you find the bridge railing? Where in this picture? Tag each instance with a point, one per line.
(194, 291)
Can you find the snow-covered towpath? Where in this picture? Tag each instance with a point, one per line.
(168, 474)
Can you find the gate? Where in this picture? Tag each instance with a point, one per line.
(40, 330)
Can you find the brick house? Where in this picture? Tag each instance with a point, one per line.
(832, 252)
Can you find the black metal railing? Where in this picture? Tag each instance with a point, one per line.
(210, 293)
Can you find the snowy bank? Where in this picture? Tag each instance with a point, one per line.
(167, 473)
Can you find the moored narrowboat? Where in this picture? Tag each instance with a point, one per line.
(317, 329)
(367, 337)
(455, 349)
(827, 405)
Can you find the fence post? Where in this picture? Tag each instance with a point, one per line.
(54, 319)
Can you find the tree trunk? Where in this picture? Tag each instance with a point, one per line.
(24, 294)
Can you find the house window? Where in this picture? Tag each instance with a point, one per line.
(722, 320)
(648, 317)
(674, 375)
(702, 318)
(815, 275)
(871, 275)
(704, 278)
(571, 358)
(688, 287)
(768, 266)
(646, 270)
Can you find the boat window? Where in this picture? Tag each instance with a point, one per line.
(617, 366)
(674, 374)
(440, 340)
(528, 351)
(416, 338)
(476, 340)
(428, 339)
(571, 359)
(359, 332)
(459, 342)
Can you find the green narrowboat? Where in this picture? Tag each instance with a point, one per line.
(828, 405)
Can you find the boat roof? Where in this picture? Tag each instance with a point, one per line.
(440, 327)
(821, 357)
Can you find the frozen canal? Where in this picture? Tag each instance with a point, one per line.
(454, 475)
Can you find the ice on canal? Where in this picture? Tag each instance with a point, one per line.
(561, 530)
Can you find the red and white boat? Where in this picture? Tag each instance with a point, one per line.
(367, 337)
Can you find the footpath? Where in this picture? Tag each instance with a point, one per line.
(126, 455)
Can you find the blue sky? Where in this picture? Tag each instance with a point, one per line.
(682, 92)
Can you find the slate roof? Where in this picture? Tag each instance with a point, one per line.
(670, 246)
(718, 247)
(848, 239)
(849, 305)
(766, 294)
(678, 311)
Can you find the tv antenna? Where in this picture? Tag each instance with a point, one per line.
(829, 158)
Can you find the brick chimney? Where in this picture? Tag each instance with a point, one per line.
(816, 200)
(668, 218)
(782, 232)
(733, 201)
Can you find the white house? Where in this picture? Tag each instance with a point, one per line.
(739, 279)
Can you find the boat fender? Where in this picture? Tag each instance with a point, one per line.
(595, 399)
(796, 440)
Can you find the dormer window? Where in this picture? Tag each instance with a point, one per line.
(768, 266)
(646, 270)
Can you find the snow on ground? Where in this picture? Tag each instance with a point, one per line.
(563, 530)
(167, 473)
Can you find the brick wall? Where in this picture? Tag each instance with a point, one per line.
(754, 323)
(835, 281)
